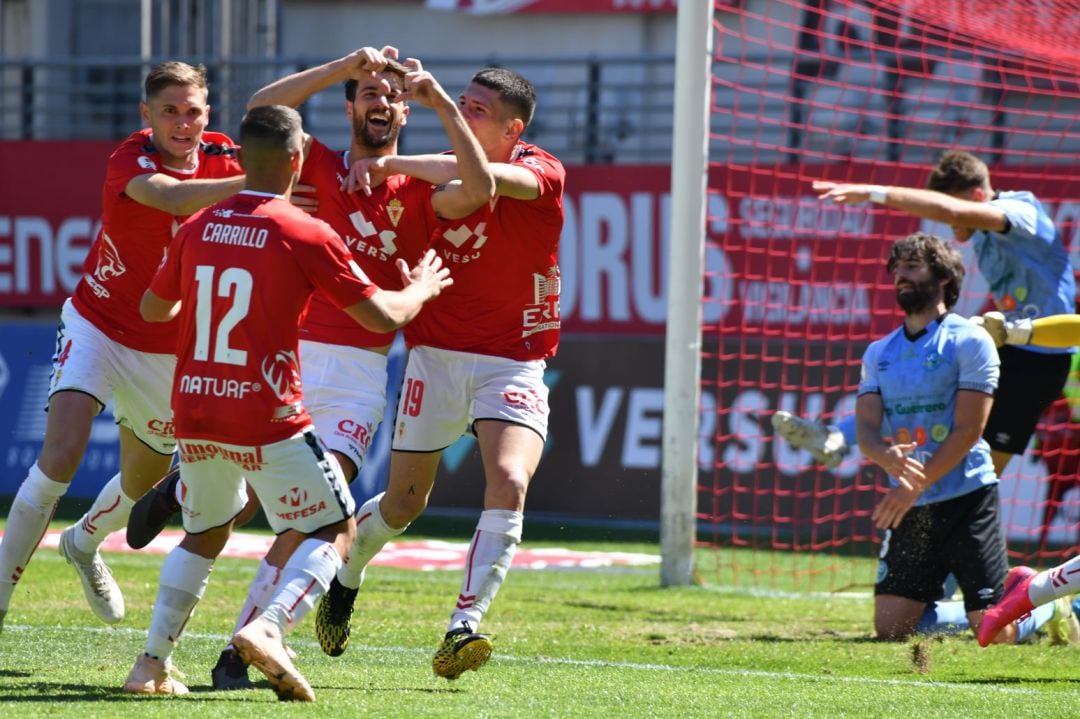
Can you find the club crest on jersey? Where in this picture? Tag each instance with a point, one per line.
(932, 361)
(395, 209)
(147, 164)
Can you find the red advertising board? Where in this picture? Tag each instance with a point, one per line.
(49, 213)
(775, 256)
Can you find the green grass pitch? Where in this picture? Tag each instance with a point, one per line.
(582, 643)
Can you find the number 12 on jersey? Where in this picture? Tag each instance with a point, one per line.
(234, 283)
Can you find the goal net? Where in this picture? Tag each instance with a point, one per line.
(795, 289)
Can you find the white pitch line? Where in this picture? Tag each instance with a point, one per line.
(637, 666)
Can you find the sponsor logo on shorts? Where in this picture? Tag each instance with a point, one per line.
(161, 428)
(358, 432)
(307, 511)
(526, 399)
(295, 497)
(249, 458)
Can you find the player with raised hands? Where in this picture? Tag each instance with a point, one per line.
(344, 365)
(476, 359)
(239, 276)
(1024, 260)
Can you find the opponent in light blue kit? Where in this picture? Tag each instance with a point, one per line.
(1024, 260)
(918, 377)
(924, 398)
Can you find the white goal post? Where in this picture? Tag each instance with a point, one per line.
(686, 248)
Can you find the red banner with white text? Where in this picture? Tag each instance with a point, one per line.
(775, 256)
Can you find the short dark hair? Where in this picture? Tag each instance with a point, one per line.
(272, 127)
(173, 72)
(352, 83)
(515, 91)
(940, 256)
(958, 172)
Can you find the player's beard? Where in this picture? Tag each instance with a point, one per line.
(376, 139)
(918, 296)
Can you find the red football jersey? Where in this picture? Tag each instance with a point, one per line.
(395, 221)
(245, 269)
(504, 259)
(133, 238)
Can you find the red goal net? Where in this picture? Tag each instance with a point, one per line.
(795, 289)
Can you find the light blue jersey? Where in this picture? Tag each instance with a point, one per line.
(1027, 267)
(918, 381)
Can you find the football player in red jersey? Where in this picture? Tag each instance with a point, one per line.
(104, 350)
(240, 275)
(344, 364)
(477, 355)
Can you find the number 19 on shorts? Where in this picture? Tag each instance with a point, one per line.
(413, 397)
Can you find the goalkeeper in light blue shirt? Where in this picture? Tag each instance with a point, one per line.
(1025, 262)
(923, 401)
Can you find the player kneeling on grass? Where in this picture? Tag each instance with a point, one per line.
(929, 385)
(240, 275)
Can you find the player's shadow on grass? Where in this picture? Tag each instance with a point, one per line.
(822, 636)
(52, 692)
(1017, 680)
(410, 690)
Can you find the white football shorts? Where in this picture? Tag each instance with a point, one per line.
(444, 392)
(139, 384)
(345, 394)
(297, 480)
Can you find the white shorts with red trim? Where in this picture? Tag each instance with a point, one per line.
(445, 392)
(298, 482)
(345, 394)
(138, 384)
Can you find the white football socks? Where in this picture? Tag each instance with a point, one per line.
(27, 521)
(305, 578)
(1060, 581)
(184, 577)
(372, 534)
(492, 550)
(108, 513)
(262, 589)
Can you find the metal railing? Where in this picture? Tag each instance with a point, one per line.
(599, 110)
(591, 110)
